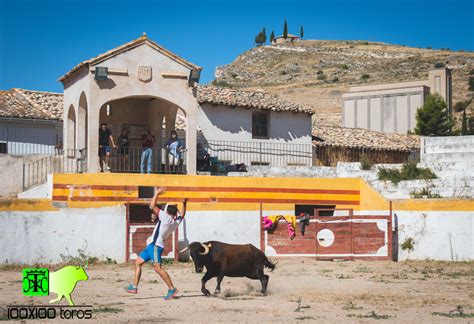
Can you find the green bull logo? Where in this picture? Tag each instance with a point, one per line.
(39, 282)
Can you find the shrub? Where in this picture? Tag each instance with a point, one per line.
(471, 83)
(409, 172)
(462, 105)
(344, 66)
(425, 192)
(408, 244)
(365, 43)
(365, 76)
(439, 65)
(431, 118)
(336, 79)
(319, 72)
(321, 76)
(221, 83)
(471, 72)
(365, 162)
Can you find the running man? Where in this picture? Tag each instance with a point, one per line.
(167, 222)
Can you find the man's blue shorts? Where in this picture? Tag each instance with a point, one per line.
(153, 253)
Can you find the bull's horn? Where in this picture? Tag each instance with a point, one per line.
(184, 250)
(206, 249)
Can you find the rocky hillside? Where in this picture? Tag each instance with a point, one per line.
(316, 73)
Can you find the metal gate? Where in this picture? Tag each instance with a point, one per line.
(340, 236)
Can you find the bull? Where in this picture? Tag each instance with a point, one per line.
(63, 282)
(231, 260)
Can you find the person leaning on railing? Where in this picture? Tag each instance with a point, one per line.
(174, 148)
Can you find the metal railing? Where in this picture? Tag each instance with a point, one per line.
(260, 153)
(37, 171)
(330, 155)
(140, 160)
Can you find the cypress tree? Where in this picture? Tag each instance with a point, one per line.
(272, 37)
(285, 30)
(464, 130)
(301, 32)
(264, 35)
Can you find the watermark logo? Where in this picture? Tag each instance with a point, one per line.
(36, 282)
(41, 282)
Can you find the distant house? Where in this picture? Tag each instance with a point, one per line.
(391, 107)
(281, 40)
(30, 121)
(342, 144)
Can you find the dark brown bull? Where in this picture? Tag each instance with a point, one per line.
(231, 260)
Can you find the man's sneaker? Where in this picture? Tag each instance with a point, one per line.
(131, 289)
(171, 293)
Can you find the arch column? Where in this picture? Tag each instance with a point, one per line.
(69, 134)
(93, 138)
(191, 139)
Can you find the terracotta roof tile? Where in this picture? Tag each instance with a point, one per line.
(247, 99)
(364, 138)
(20, 103)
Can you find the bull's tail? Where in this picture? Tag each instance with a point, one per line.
(270, 265)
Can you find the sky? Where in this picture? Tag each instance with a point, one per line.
(42, 40)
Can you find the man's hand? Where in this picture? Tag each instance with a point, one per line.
(160, 190)
(185, 200)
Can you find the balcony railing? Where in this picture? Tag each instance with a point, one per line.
(140, 160)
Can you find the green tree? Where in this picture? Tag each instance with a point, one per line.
(285, 30)
(272, 37)
(301, 32)
(464, 130)
(470, 124)
(260, 39)
(432, 118)
(264, 35)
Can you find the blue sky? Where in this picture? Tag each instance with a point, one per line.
(41, 40)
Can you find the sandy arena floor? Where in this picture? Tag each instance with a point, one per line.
(302, 290)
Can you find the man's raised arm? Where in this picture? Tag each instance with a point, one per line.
(158, 191)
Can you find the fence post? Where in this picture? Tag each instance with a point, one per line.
(24, 184)
(260, 145)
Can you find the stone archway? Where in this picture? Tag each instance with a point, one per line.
(82, 126)
(71, 129)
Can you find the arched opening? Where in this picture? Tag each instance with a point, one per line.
(82, 123)
(140, 127)
(71, 129)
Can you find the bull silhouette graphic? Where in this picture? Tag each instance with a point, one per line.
(63, 282)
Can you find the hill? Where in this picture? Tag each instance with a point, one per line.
(316, 73)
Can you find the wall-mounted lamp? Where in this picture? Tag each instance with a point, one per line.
(194, 76)
(108, 112)
(101, 73)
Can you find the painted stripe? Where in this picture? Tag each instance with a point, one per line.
(97, 187)
(215, 189)
(217, 200)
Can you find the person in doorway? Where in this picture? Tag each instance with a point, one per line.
(105, 139)
(123, 143)
(167, 222)
(175, 149)
(148, 141)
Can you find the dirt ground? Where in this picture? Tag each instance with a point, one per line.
(300, 290)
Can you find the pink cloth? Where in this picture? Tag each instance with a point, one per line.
(268, 224)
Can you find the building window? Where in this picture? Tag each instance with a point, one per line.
(260, 124)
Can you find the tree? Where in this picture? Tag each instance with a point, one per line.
(272, 37)
(285, 30)
(464, 130)
(432, 118)
(470, 123)
(301, 32)
(260, 39)
(471, 83)
(264, 35)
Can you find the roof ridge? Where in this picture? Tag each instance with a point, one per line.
(37, 91)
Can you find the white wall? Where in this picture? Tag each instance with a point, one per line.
(436, 235)
(237, 227)
(29, 237)
(30, 136)
(287, 132)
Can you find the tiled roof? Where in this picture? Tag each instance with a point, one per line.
(363, 138)
(20, 103)
(247, 99)
(125, 47)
